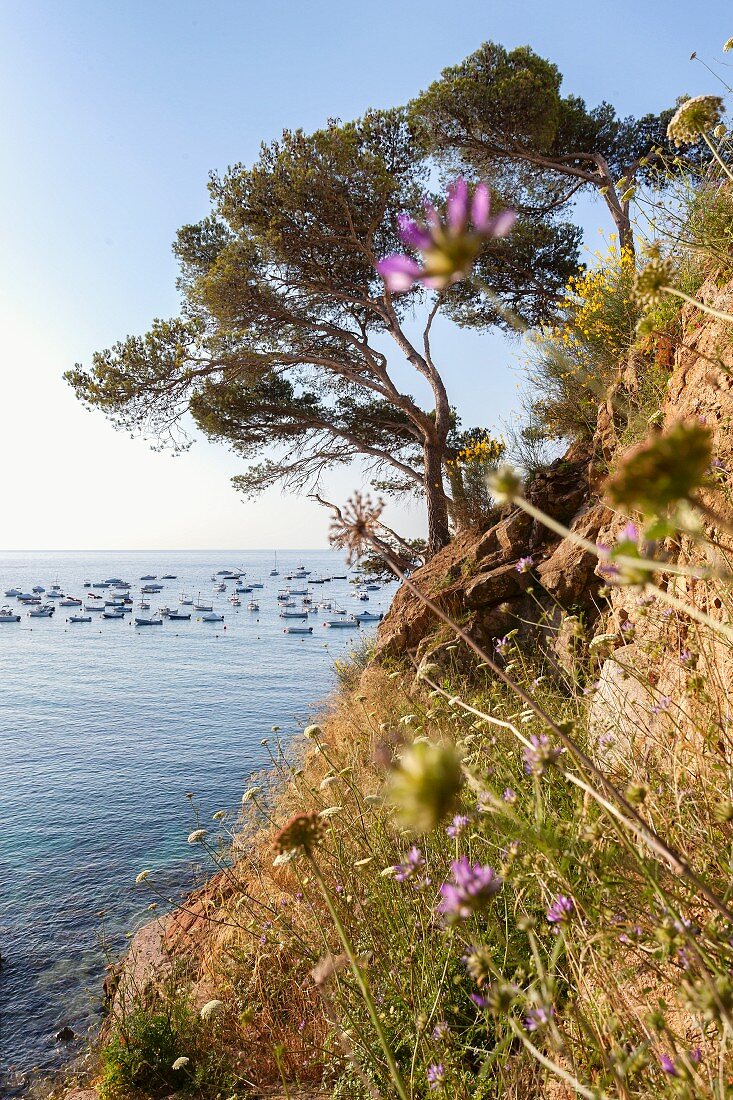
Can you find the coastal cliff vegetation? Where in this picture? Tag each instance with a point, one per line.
(500, 864)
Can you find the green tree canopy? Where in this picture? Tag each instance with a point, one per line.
(502, 113)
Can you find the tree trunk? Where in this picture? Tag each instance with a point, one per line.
(438, 528)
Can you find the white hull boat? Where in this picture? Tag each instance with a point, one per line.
(298, 630)
(143, 620)
(70, 601)
(79, 619)
(8, 616)
(345, 622)
(253, 605)
(179, 617)
(368, 617)
(210, 617)
(113, 614)
(293, 614)
(14, 592)
(44, 612)
(203, 607)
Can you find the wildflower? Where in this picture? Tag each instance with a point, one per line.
(424, 784)
(441, 1031)
(219, 815)
(540, 755)
(524, 565)
(471, 890)
(663, 470)
(454, 830)
(141, 877)
(355, 525)
(504, 484)
(414, 863)
(180, 1062)
(537, 1018)
(211, 1008)
(479, 964)
(197, 836)
(653, 279)
(668, 1065)
(498, 998)
(509, 796)
(436, 1076)
(312, 732)
(449, 246)
(304, 831)
(694, 117)
(561, 909)
(728, 46)
(664, 703)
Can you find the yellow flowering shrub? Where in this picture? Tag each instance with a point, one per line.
(468, 470)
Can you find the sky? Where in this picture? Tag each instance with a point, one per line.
(115, 112)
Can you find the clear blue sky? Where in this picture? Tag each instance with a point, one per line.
(113, 115)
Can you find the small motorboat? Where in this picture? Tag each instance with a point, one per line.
(368, 617)
(113, 613)
(79, 619)
(150, 589)
(86, 584)
(38, 588)
(70, 601)
(347, 621)
(94, 606)
(299, 592)
(27, 597)
(54, 593)
(179, 617)
(253, 605)
(144, 605)
(203, 607)
(146, 620)
(223, 573)
(185, 600)
(293, 614)
(372, 587)
(252, 584)
(149, 577)
(221, 587)
(274, 573)
(169, 577)
(235, 601)
(101, 584)
(45, 611)
(287, 603)
(7, 615)
(212, 617)
(339, 577)
(164, 612)
(243, 588)
(14, 592)
(298, 630)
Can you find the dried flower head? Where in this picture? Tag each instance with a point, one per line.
(449, 245)
(210, 1009)
(479, 963)
(303, 832)
(663, 470)
(424, 784)
(504, 484)
(181, 1063)
(197, 836)
(141, 877)
(356, 524)
(694, 117)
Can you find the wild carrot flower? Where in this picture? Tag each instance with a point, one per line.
(303, 831)
(540, 755)
(211, 1008)
(561, 910)
(180, 1062)
(694, 117)
(436, 1076)
(449, 245)
(196, 836)
(472, 888)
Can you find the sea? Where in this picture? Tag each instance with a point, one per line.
(116, 741)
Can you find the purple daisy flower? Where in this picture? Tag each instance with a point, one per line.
(472, 888)
(459, 823)
(540, 755)
(414, 862)
(561, 909)
(524, 565)
(449, 246)
(668, 1065)
(537, 1018)
(436, 1076)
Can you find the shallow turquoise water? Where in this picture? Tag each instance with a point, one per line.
(104, 728)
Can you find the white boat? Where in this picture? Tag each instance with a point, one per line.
(45, 611)
(164, 612)
(86, 584)
(212, 617)
(54, 592)
(79, 619)
(7, 615)
(179, 617)
(145, 620)
(253, 584)
(298, 592)
(372, 587)
(169, 577)
(14, 592)
(298, 630)
(347, 621)
(149, 589)
(149, 577)
(338, 577)
(235, 601)
(253, 605)
(94, 607)
(27, 597)
(203, 607)
(221, 587)
(274, 571)
(70, 601)
(293, 614)
(111, 613)
(243, 588)
(99, 584)
(368, 617)
(144, 605)
(185, 600)
(38, 588)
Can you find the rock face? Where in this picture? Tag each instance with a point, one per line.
(478, 581)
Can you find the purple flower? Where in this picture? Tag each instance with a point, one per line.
(561, 909)
(664, 703)
(668, 1065)
(695, 1056)
(538, 1018)
(524, 565)
(540, 755)
(441, 1031)
(449, 246)
(436, 1076)
(501, 645)
(510, 796)
(472, 888)
(479, 1001)
(413, 863)
(629, 533)
(460, 821)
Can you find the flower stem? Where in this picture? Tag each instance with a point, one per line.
(362, 982)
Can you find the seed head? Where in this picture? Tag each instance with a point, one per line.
(664, 470)
(303, 832)
(694, 117)
(424, 784)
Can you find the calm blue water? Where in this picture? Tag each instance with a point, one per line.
(104, 727)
